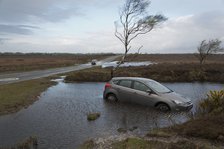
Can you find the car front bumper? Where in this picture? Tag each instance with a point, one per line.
(186, 107)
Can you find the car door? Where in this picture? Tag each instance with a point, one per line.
(123, 89)
(141, 95)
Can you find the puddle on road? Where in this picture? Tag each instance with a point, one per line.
(8, 79)
(127, 64)
(58, 118)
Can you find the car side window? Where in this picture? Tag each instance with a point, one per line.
(125, 83)
(140, 86)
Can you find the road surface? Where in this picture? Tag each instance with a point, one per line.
(22, 76)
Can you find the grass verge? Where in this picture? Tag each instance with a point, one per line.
(141, 143)
(138, 143)
(164, 72)
(16, 96)
(20, 62)
(206, 127)
(95, 74)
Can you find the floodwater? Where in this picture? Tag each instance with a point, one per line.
(126, 64)
(58, 119)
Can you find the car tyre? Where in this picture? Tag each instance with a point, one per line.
(163, 107)
(112, 97)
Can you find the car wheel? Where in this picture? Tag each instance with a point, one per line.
(163, 107)
(112, 97)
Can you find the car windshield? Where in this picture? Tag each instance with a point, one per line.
(158, 87)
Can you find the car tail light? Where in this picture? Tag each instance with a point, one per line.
(107, 85)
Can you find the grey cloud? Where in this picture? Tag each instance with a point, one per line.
(46, 10)
(210, 20)
(17, 29)
(36, 10)
(183, 34)
(2, 40)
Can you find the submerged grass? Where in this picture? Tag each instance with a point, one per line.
(14, 97)
(93, 116)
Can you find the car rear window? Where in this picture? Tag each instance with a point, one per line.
(125, 83)
(115, 81)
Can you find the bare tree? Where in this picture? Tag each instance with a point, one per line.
(134, 21)
(206, 48)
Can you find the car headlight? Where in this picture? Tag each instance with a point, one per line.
(177, 102)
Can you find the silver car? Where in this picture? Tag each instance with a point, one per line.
(147, 92)
(93, 62)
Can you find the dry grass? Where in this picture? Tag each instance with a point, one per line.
(164, 72)
(174, 58)
(95, 74)
(141, 143)
(170, 68)
(207, 127)
(206, 124)
(138, 143)
(27, 62)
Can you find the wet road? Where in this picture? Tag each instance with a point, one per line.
(58, 118)
(22, 76)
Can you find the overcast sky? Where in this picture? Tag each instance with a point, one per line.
(87, 26)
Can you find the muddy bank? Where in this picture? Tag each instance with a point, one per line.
(203, 132)
(158, 142)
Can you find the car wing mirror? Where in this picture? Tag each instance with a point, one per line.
(149, 92)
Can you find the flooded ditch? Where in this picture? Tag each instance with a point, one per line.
(59, 118)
